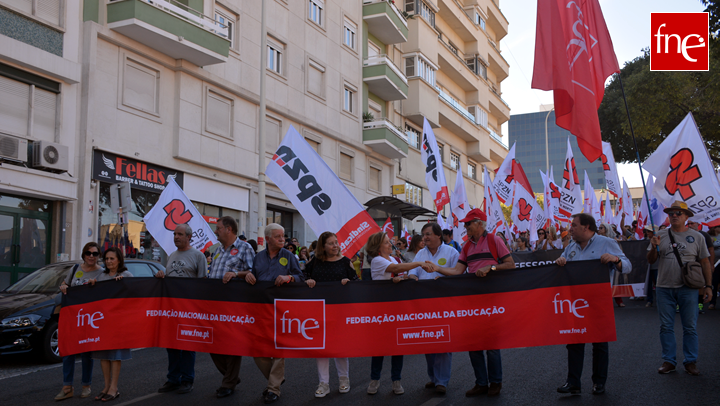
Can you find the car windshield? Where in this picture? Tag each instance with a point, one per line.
(44, 280)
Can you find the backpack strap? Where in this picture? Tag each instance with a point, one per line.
(492, 246)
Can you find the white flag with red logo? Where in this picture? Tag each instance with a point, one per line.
(625, 206)
(322, 199)
(553, 194)
(607, 214)
(656, 208)
(504, 177)
(173, 208)
(405, 233)
(434, 172)
(388, 228)
(610, 168)
(595, 208)
(588, 192)
(571, 201)
(524, 211)
(683, 171)
(493, 211)
(460, 207)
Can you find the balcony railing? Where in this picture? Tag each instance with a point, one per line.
(455, 52)
(382, 59)
(384, 122)
(494, 45)
(497, 137)
(392, 6)
(492, 88)
(456, 105)
(173, 7)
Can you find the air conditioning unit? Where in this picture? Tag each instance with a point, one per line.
(50, 156)
(13, 148)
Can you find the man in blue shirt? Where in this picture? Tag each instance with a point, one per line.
(587, 245)
(274, 264)
(448, 239)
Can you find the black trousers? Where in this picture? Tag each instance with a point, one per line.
(576, 356)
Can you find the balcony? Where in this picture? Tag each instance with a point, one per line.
(498, 64)
(458, 20)
(385, 21)
(171, 28)
(497, 21)
(455, 118)
(453, 65)
(384, 138)
(498, 149)
(422, 102)
(384, 79)
(498, 107)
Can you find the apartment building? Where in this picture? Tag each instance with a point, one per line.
(146, 90)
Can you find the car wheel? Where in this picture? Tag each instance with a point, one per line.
(50, 349)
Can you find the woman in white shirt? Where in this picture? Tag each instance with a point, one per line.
(384, 267)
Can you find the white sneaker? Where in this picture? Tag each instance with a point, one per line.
(373, 387)
(397, 388)
(322, 390)
(344, 384)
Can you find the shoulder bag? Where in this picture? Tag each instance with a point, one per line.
(692, 272)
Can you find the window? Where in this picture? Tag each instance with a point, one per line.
(272, 134)
(349, 34)
(413, 194)
(228, 20)
(374, 179)
(410, 6)
(375, 109)
(427, 13)
(46, 10)
(315, 11)
(417, 65)
(373, 50)
(274, 54)
(218, 114)
(316, 79)
(24, 96)
(472, 170)
(454, 161)
(314, 144)
(349, 99)
(482, 71)
(140, 87)
(413, 136)
(479, 21)
(441, 151)
(346, 166)
(472, 63)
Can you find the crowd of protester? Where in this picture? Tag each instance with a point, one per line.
(426, 256)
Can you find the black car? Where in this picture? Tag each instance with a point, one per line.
(29, 313)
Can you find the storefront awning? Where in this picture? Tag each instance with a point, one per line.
(393, 205)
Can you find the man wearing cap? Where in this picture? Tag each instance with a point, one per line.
(587, 245)
(671, 292)
(648, 234)
(481, 254)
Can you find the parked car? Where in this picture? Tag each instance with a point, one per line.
(29, 314)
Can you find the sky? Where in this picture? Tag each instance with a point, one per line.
(628, 22)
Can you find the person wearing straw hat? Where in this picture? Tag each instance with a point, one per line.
(671, 292)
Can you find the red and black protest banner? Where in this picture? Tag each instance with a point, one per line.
(546, 305)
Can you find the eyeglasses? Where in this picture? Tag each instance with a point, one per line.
(467, 223)
(93, 253)
(675, 213)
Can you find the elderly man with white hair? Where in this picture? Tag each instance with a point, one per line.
(274, 264)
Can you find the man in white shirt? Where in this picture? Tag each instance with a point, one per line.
(438, 365)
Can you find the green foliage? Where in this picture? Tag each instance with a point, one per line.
(658, 102)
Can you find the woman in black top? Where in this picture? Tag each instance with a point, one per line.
(329, 265)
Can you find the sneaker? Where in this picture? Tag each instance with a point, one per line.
(666, 368)
(494, 388)
(168, 387)
(477, 390)
(373, 387)
(397, 388)
(322, 390)
(344, 384)
(692, 369)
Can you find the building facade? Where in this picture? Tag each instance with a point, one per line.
(144, 91)
(527, 132)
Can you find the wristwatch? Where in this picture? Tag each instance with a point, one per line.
(493, 268)
(618, 261)
(708, 286)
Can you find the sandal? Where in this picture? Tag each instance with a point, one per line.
(100, 396)
(109, 397)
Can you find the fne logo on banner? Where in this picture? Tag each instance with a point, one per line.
(679, 41)
(300, 324)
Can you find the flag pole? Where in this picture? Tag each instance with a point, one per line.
(637, 153)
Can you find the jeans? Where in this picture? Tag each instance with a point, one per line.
(439, 367)
(396, 364)
(652, 280)
(667, 300)
(181, 366)
(494, 367)
(69, 369)
(576, 358)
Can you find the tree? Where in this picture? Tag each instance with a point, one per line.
(658, 102)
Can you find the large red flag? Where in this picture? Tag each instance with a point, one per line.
(573, 57)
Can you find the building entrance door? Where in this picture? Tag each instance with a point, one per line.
(24, 237)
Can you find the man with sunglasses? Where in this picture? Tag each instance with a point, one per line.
(588, 245)
(481, 254)
(670, 290)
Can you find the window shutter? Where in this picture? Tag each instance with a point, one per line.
(315, 80)
(44, 108)
(374, 179)
(140, 88)
(272, 134)
(345, 166)
(14, 106)
(49, 10)
(218, 117)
